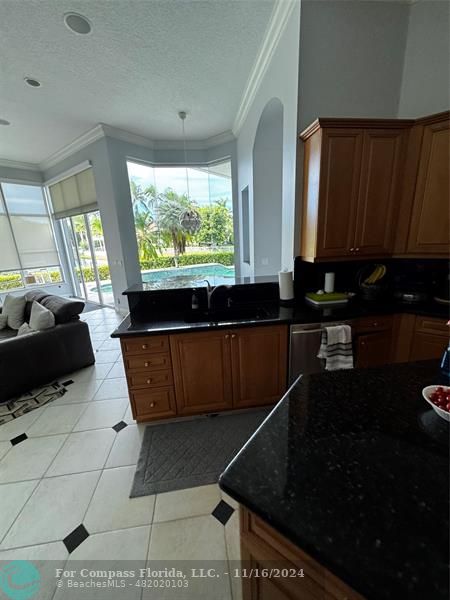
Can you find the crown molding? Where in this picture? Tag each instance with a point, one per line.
(15, 164)
(126, 136)
(278, 21)
(103, 130)
(79, 143)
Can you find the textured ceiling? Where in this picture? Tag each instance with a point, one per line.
(143, 62)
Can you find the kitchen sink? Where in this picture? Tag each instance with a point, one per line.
(225, 314)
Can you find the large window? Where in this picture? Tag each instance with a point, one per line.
(28, 254)
(184, 223)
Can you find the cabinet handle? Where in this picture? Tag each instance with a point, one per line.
(356, 249)
(146, 364)
(352, 249)
(375, 324)
(227, 336)
(144, 346)
(149, 381)
(233, 336)
(152, 404)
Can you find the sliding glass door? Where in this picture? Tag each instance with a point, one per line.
(86, 246)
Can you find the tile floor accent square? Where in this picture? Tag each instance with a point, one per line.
(74, 539)
(119, 426)
(18, 439)
(223, 512)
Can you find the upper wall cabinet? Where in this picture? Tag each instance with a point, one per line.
(351, 183)
(429, 226)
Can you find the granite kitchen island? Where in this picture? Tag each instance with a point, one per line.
(352, 468)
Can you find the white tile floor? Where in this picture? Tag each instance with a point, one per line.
(75, 469)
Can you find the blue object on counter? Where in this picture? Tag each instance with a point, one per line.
(445, 362)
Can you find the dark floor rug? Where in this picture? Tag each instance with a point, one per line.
(16, 407)
(186, 454)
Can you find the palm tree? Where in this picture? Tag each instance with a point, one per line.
(170, 211)
(146, 235)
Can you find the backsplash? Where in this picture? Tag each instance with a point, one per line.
(405, 274)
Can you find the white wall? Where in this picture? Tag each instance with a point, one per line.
(280, 81)
(268, 189)
(351, 58)
(425, 84)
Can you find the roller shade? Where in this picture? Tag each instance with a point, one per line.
(9, 259)
(74, 195)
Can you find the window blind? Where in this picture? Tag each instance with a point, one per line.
(74, 195)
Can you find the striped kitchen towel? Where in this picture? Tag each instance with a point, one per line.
(336, 347)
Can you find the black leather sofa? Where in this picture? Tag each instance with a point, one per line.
(32, 360)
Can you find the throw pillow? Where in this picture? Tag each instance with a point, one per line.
(14, 308)
(3, 321)
(25, 329)
(41, 318)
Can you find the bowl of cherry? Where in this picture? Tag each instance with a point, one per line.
(439, 398)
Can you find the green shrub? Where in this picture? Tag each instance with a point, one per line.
(224, 257)
(10, 281)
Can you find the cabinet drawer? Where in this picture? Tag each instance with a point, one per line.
(157, 403)
(145, 345)
(429, 325)
(373, 323)
(148, 380)
(148, 362)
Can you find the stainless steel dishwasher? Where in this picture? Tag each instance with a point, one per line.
(304, 345)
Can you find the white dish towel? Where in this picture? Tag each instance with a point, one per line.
(336, 347)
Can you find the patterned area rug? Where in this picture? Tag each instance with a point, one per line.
(16, 407)
(176, 456)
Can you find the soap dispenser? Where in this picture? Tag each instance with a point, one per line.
(195, 304)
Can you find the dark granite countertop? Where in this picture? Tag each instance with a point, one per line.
(174, 322)
(352, 466)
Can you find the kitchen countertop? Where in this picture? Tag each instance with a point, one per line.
(275, 314)
(352, 467)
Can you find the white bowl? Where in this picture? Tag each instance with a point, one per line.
(427, 391)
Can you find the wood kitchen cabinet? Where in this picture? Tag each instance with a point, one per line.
(259, 365)
(262, 547)
(419, 338)
(202, 371)
(351, 177)
(429, 231)
(225, 369)
(373, 341)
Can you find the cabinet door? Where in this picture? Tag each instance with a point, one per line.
(259, 364)
(373, 349)
(339, 182)
(379, 191)
(427, 346)
(202, 371)
(429, 230)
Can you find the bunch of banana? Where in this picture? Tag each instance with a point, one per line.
(378, 273)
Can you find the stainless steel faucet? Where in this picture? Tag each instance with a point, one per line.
(210, 290)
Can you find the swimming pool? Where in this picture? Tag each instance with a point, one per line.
(180, 277)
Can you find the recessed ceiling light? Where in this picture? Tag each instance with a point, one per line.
(4, 122)
(32, 82)
(77, 23)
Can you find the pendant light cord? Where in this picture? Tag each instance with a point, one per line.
(182, 117)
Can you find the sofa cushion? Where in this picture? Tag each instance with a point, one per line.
(64, 309)
(7, 333)
(14, 309)
(41, 318)
(3, 321)
(25, 329)
(33, 295)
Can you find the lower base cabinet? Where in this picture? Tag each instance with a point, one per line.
(203, 372)
(373, 341)
(265, 551)
(419, 338)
